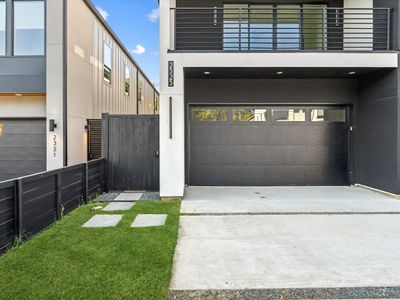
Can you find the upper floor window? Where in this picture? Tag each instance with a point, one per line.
(2, 27)
(140, 91)
(29, 24)
(127, 81)
(107, 62)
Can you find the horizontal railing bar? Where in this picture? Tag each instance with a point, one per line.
(279, 8)
(284, 33)
(346, 43)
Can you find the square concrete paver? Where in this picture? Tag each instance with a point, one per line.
(149, 220)
(100, 221)
(108, 197)
(119, 206)
(128, 197)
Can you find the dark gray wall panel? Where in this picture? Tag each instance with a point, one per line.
(22, 74)
(22, 148)
(377, 132)
(394, 5)
(334, 91)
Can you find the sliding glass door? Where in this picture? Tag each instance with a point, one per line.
(274, 27)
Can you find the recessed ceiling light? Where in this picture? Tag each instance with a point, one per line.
(207, 73)
(279, 73)
(352, 73)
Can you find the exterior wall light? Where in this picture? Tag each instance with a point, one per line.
(207, 73)
(52, 125)
(279, 73)
(352, 73)
(1, 129)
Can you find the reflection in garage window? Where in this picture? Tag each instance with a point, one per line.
(289, 115)
(328, 115)
(210, 114)
(249, 115)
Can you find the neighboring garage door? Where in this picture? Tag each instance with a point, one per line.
(271, 146)
(22, 147)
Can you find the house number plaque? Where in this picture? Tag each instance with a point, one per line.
(170, 74)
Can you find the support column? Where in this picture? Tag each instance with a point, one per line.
(172, 112)
(55, 83)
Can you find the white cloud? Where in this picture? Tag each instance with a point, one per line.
(139, 50)
(156, 83)
(102, 12)
(154, 15)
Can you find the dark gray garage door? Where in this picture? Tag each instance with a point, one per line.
(22, 147)
(257, 146)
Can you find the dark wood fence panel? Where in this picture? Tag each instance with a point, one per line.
(30, 204)
(39, 195)
(96, 178)
(72, 188)
(8, 219)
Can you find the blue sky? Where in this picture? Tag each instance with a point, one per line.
(136, 24)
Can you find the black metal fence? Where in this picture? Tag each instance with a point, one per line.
(281, 28)
(30, 204)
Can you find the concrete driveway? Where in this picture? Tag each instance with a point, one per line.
(288, 242)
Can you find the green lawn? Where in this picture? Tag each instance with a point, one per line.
(70, 262)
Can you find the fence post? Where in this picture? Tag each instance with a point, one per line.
(86, 182)
(20, 224)
(58, 195)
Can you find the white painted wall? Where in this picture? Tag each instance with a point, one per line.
(54, 82)
(22, 107)
(172, 151)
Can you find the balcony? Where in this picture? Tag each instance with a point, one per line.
(280, 28)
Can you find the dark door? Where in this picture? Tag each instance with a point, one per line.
(94, 139)
(22, 147)
(268, 146)
(133, 146)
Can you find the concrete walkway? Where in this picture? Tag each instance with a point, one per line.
(327, 242)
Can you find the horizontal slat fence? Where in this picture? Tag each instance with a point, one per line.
(30, 204)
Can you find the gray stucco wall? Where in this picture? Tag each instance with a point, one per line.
(304, 91)
(23, 74)
(377, 131)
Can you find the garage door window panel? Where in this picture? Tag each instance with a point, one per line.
(289, 115)
(249, 115)
(210, 114)
(328, 115)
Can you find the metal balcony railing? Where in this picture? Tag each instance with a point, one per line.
(250, 28)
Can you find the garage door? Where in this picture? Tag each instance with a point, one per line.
(22, 148)
(271, 146)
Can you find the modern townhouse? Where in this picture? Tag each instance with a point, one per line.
(276, 92)
(61, 67)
